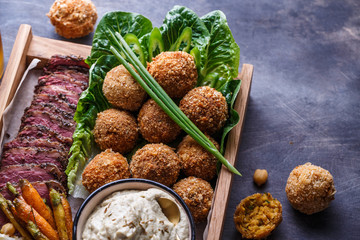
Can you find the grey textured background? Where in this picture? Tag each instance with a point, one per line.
(304, 102)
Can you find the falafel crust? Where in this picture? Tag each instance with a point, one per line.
(310, 188)
(175, 72)
(73, 18)
(107, 166)
(197, 194)
(155, 125)
(195, 160)
(157, 162)
(122, 90)
(206, 108)
(257, 216)
(116, 129)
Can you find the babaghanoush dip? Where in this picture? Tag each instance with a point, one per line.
(134, 214)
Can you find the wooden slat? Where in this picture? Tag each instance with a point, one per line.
(223, 185)
(15, 68)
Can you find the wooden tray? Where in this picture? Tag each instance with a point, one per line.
(28, 47)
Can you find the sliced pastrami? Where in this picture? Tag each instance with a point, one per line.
(40, 131)
(31, 172)
(66, 61)
(36, 142)
(33, 155)
(60, 92)
(62, 104)
(66, 79)
(56, 123)
(50, 108)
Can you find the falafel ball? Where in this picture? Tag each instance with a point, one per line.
(155, 125)
(175, 72)
(73, 18)
(310, 188)
(195, 160)
(157, 162)
(206, 108)
(197, 194)
(107, 166)
(122, 90)
(116, 129)
(257, 216)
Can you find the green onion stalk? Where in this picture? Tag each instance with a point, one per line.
(155, 91)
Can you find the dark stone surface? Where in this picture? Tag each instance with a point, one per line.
(304, 103)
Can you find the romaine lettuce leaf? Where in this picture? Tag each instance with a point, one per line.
(176, 20)
(122, 22)
(222, 54)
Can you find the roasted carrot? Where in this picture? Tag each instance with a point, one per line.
(26, 213)
(32, 197)
(68, 216)
(6, 210)
(35, 231)
(59, 214)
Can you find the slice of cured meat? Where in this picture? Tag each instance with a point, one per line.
(36, 142)
(40, 131)
(31, 172)
(59, 125)
(27, 155)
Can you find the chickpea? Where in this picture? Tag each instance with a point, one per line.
(260, 176)
(8, 229)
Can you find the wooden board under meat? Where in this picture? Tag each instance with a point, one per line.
(28, 47)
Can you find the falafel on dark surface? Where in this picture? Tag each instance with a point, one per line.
(175, 72)
(73, 18)
(257, 216)
(155, 125)
(195, 160)
(122, 90)
(157, 162)
(310, 188)
(197, 194)
(115, 129)
(107, 166)
(206, 108)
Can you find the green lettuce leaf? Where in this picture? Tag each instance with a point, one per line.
(122, 22)
(90, 103)
(176, 20)
(222, 54)
(230, 90)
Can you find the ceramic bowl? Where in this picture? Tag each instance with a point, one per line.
(101, 193)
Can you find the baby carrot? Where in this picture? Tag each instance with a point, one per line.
(26, 213)
(68, 216)
(32, 197)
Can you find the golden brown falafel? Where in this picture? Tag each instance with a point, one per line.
(107, 166)
(206, 108)
(175, 72)
(195, 160)
(122, 90)
(257, 216)
(116, 129)
(155, 125)
(197, 194)
(73, 18)
(157, 162)
(310, 188)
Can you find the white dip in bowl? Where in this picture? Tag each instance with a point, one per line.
(134, 214)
